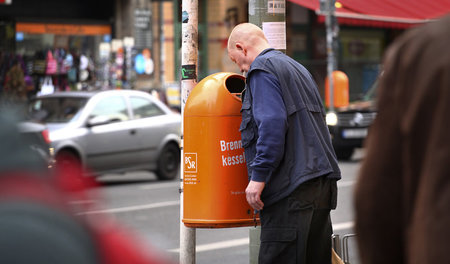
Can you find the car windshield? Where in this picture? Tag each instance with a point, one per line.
(56, 109)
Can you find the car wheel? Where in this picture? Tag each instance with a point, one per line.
(68, 162)
(344, 153)
(168, 162)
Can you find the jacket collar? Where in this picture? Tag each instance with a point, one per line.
(265, 51)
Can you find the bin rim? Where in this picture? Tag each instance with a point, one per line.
(199, 102)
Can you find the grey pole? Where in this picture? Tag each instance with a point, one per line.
(270, 16)
(327, 7)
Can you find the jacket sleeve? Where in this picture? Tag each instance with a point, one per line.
(271, 119)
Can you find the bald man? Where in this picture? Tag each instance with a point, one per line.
(291, 163)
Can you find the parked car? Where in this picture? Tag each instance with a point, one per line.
(349, 125)
(111, 131)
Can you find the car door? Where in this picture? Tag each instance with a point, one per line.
(151, 123)
(112, 145)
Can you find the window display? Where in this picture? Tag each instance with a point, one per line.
(56, 57)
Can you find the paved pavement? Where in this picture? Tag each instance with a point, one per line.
(151, 209)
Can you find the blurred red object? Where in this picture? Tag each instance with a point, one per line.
(113, 243)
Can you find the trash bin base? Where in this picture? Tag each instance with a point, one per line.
(220, 223)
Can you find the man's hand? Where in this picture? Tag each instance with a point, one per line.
(253, 194)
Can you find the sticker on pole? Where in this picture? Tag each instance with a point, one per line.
(276, 34)
(190, 162)
(276, 7)
(188, 72)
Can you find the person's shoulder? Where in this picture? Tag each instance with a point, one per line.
(277, 57)
(263, 74)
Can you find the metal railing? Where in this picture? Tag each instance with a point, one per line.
(341, 246)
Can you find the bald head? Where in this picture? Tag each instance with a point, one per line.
(245, 43)
(249, 35)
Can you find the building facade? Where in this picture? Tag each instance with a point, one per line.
(137, 43)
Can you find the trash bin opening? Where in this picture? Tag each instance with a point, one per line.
(235, 84)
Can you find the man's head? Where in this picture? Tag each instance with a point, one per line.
(245, 43)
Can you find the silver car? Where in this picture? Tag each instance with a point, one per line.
(111, 131)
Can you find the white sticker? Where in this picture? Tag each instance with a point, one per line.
(190, 162)
(276, 34)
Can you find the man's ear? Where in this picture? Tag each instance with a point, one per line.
(241, 47)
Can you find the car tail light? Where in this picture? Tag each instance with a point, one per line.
(46, 136)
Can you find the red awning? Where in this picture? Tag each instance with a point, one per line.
(383, 13)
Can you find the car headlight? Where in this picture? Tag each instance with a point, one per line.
(331, 119)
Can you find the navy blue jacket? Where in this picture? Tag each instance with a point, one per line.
(283, 127)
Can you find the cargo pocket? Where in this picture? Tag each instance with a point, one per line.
(278, 245)
(248, 125)
(247, 130)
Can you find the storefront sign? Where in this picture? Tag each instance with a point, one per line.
(143, 28)
(62, 29)
(104, 50)
(116, 44)
(143, 63)
(128, 42)
(142, 18)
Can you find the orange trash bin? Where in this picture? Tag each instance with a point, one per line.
(215, 172)
(340, 88)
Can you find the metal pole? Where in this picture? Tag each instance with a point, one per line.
(189, 60)
(330, 50)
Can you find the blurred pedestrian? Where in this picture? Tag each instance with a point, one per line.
(402, 194)
(14, 90)
(291, 163)
(39, 223)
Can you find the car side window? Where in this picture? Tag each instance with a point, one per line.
(143, 107)
(114, 108)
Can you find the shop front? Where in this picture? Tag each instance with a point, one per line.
(364, 30)
(52, 46)
(64, 56)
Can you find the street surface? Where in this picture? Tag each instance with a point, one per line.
(150, 208)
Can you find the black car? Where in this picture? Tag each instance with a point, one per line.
(349, 125)
(25, 144)
(35, 136)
